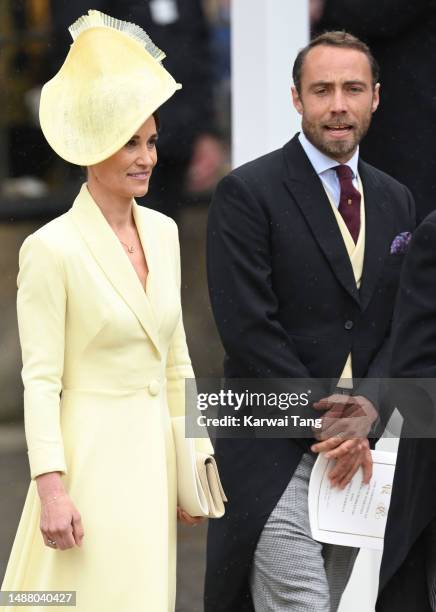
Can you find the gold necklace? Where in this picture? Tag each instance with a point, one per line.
(131, 249)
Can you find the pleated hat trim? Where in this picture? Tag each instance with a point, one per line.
(97, 19)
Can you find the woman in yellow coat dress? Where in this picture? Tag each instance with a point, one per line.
(104, 350)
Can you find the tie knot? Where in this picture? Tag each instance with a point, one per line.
(344, 172)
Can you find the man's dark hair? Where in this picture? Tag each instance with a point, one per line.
(340, 39)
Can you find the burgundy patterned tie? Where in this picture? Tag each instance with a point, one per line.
(349, 203)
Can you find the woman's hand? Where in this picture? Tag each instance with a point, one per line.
(61, 524)
(186, 518)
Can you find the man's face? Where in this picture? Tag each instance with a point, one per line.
(337, 99)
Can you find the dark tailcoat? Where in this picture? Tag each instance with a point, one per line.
(286, 305)
(403, 581)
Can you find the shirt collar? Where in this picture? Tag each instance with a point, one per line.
(321, 162)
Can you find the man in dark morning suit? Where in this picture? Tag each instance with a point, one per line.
(302, 285)
(408, 570)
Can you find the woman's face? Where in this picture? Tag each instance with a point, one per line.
(127, 172)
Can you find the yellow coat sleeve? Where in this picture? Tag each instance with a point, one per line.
(41, 306)
(178, 366)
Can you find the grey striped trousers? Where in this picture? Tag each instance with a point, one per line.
(291, 571)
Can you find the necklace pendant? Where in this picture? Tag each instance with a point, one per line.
(130, 249)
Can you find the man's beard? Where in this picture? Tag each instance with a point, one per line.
(318, 136)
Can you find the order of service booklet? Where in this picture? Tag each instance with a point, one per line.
(354, 516)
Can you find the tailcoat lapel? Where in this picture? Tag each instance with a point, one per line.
(377, 237)
(308, 192)
(110, 256)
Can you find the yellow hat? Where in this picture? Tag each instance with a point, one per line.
(111, 81)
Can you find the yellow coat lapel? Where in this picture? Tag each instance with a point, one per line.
(109, 254)
(149, 237)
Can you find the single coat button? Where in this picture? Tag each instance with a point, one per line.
(154, 387)
(349, 325)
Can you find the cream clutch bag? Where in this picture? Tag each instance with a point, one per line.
(199, 489)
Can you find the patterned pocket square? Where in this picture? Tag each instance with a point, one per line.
(400, 243)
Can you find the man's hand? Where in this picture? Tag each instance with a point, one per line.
(336, 447)
(345, 417)
(346, 423)
(350, 456)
